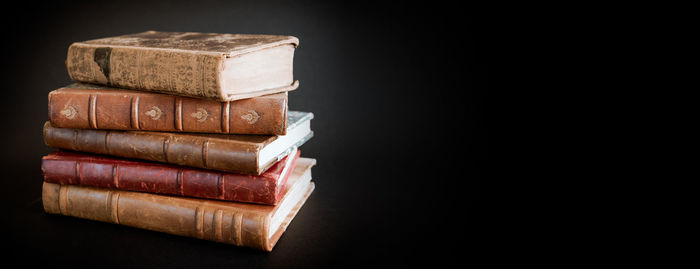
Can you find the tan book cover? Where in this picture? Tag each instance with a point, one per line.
(241, 224)
(217, 66)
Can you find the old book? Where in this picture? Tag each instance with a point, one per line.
(242, 224)
(249, 154)
(223, 67)
(89, 106)
(114, 173)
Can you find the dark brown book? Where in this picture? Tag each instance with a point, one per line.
(241, 224)
(248, 154)
(217, 66)
(88, 106)
(100, 171)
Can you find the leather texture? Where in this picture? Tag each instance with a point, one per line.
(229, 153)
(240, 224)
(114, 173)
(219, 43)
(88, 106)
(178, 63)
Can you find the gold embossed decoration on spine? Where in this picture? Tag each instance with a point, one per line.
(88, 106)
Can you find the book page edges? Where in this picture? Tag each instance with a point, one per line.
(238, 96)
(283, 227)
(286, 152)
(55, 198)
(222, 56)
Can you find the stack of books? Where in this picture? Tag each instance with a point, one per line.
(182, 133)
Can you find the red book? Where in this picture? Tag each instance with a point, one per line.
(106, 172)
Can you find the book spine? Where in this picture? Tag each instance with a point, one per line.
(109, 110)
(177, 72)
(174, 215)
(186, 150)
(164, 179)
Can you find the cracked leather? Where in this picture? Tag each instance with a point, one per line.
(115, 173)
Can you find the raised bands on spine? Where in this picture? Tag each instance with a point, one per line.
(63, 199)
(115, 175)
(92, 117)
(220, 186)
(179, 181)
(108, 138)
(205, 152)
(178, 113)
(77, 172)
(218, 225)
(75, 144)
(112, 204)
(210, 224)
(135, 112)
(237, 228)
(199, 222)
(225, 108)
(261, 231)
(166, 147)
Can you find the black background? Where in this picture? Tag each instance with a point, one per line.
(398, 92)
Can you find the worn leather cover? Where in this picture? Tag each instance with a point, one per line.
(230, 153)
(106, 172)
(179, 63)
(235, 223)
(223, 152)
(94, 107)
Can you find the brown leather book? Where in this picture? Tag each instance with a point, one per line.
(247, 154)
(92, 170)
(241, 224)
(89, 106)
(223, 67)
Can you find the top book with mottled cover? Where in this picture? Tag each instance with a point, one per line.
(217, 66)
